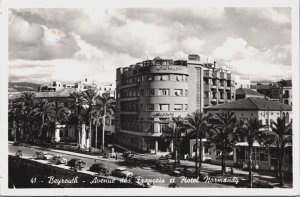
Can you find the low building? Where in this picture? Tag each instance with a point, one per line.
(241, 93)
(241, 81)
(267, 112)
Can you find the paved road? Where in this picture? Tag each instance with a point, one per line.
(141, 164)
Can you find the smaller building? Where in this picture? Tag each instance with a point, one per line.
(241, 81)
(267, 112)
(241, 93)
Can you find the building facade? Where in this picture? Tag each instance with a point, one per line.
(266, 112)
(149, 93)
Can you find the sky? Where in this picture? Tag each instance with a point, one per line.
(68, 45)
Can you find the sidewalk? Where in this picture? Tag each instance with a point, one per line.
(209, 168)
(71, 153)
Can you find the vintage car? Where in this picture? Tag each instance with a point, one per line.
(42, 156)
(101, 169)
(57, 159)
(122, 173)
(128, 154)
(178, 171)
(77, 164)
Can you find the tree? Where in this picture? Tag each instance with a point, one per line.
(222, 135)
(198, 125)
(76, 104)
(90, 100)
(45, 111)
(61, 113)
(14, 117)
(108, 105)
(174, 132)
(282, 136)
(27, 100)
(249, 131)
(97, 117)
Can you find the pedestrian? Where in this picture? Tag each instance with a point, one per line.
(116, 156)
(185, 157)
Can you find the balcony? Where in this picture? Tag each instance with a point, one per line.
(216, 74)
(213, 87)
(221, 87)
(208, 73)
(223, 75)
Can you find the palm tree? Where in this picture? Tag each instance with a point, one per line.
(223, 133)
(249, 131)
(14, 117)
(27, 99)
(282, 133)
(90, 100)
(61, 113)
(45, 111)
(174, 132)
(108, 105)
(76, 104)
(198, 124)
(97, 117)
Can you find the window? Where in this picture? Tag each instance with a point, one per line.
(260, 122)
(267, 122)
(141, 107)
(178, 107)
(150, 77)
(164, 107)
(150, 107)
(186, 106)
(263, 155)
(186, 92)
(286, 102)
(164, 92)
(178, 92)
(178, 77)
(112, 121)
(150, 92)
(206, 95)
(164, 78)
(151, 124)
(206, 81)
(142, 92)
(163, 124)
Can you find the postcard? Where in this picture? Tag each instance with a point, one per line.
(149, 98)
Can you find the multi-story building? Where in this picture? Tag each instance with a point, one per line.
(149, 93)
(218, 87)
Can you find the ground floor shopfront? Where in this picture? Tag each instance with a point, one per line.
(263, 158)
(151, 143)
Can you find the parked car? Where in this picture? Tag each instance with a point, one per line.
(77, 164)
(128, 154)
(17, 144)
(19, 153)
(57, 159)
(122, 173)
(178, 171)
(42, 156)
(135, 179)
(100, 168)
(246, 166)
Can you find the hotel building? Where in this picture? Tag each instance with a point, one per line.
(149, 93)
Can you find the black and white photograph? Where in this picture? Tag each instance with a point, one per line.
(149, 98)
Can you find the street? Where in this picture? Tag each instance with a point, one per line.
(141, 164)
